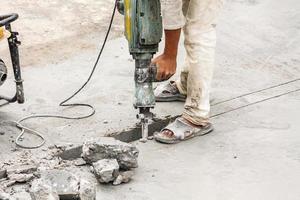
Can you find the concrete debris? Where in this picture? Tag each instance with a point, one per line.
(87, 190)
(21, 169)
(63, 182)
(21, 195)
(71, 152)
(3, 173)
(79, 162)
(4, 195)
(42, 191)
(20, 178)
(7, 183)
(106, 170)
(60, 184)
(109, 148)
(124, 177)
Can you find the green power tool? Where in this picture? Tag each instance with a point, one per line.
(143, 30)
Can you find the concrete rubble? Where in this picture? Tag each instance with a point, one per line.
(71, 152)
(107, 156)
(20, 178)
(21, 169)
(60, 184)
(106, 170)
(124, 177)
(42, 191)
(109, 148)
(87, 190)
(20, 173)
(54, 174)
(4, 196)
(3, 173)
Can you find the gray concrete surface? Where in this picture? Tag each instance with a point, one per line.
(254, 152)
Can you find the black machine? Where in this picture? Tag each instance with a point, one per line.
(13, 43)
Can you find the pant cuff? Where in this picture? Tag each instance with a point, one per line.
(200, 121)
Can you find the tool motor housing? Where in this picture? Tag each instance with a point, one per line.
(143, 26)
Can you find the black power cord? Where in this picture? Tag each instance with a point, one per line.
(65, 103)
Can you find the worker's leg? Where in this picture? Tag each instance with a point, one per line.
(181, 83)
(200, 42)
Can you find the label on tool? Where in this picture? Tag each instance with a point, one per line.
(128, 8)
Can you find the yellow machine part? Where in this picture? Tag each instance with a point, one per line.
(127, 12)
(4, 33)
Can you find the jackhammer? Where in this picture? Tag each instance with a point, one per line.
(143, 30)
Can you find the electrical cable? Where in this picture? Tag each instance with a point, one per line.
(64, 103)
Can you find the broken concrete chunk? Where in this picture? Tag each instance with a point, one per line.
(4, 196)
(21, 169)
(106, 170)
(41, 190)
(21, 195)
(124, 177)
(110, 148)
(8, 183)
(20, 178)
(87, 190)
(71, 152)
(64, 183)
(2, 173)
(59, 184)
(79, 162)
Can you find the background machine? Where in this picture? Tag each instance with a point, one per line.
(13, 42)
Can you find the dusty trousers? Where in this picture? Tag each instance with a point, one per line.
(198, 20)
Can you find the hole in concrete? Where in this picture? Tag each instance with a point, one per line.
(69, 197)
(135, 133)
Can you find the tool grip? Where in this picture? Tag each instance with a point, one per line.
(153, 70)
(7, 19)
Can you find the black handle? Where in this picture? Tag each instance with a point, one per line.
(7, 19)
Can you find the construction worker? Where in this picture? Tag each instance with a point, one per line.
(197, 19)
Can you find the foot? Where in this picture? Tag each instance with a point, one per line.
(181, 129)
(168, 93)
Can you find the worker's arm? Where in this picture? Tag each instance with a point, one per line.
(167, 62)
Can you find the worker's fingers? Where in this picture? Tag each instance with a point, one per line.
(168, 75)
(160, 73)
(164, 76)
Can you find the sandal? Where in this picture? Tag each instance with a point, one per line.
(182, 130)
(168, 93)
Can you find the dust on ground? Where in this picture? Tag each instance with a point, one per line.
(53, 30)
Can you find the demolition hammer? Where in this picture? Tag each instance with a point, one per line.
(143, 30)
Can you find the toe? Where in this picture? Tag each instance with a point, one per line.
(168, 133)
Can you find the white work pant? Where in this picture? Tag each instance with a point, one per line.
(198, 20)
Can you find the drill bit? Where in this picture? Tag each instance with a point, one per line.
(145, 116)
(145, 130)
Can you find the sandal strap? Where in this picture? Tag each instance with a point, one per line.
(170, 88)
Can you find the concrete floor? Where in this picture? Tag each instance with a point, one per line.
(254, 152)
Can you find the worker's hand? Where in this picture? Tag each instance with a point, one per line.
(166, 67)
